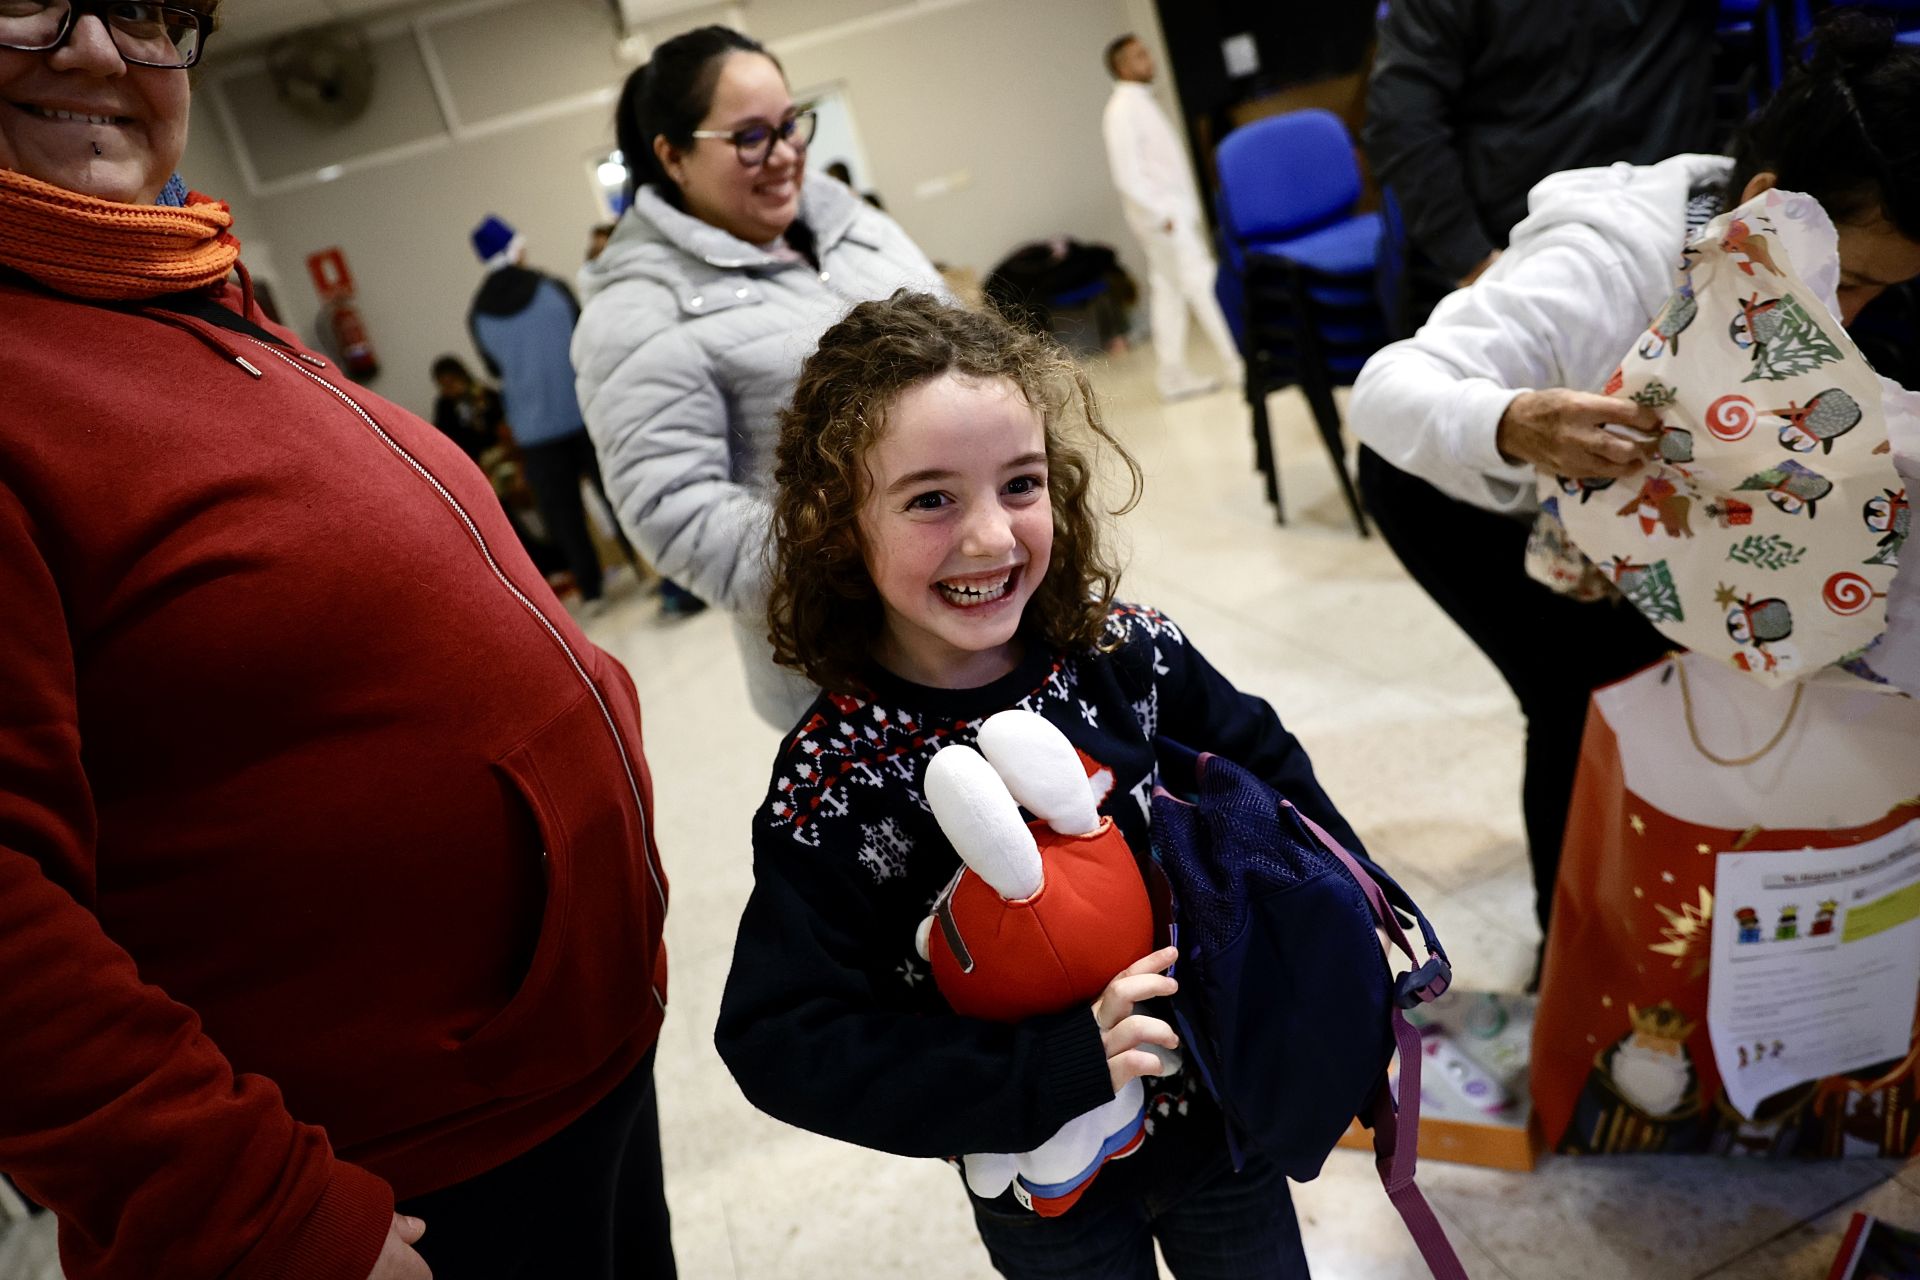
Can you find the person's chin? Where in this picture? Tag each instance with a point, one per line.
(122, 182)
(779, 207)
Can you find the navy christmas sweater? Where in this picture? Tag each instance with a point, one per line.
(831, 1020)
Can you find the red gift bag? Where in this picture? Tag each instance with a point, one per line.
(1680, 762)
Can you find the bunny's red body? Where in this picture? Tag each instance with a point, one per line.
(1089, 921)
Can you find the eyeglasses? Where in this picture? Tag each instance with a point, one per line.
(147, 35)
(754, 143)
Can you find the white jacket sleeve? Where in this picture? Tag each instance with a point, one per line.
(1560, 314)
(1124, 127)
(659, 424)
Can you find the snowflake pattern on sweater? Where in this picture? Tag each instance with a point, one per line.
(848, 748)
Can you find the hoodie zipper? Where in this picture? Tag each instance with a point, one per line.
(297, 362)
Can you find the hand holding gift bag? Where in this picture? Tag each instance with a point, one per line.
(1767, 526)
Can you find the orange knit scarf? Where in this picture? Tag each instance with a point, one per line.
(92, 248)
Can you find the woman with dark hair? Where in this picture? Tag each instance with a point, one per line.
(719, 279)
(1503, 382)
(329, 900)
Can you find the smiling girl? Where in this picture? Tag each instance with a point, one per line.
(938, 557)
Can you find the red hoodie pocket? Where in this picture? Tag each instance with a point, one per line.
(587, 989)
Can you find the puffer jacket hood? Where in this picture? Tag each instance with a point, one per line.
(657, 241)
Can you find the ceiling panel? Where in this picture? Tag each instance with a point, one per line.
(249, 22)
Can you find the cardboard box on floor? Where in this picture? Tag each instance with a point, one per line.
(1475, 1107)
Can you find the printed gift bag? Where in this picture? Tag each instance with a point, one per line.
(1767, 530)
(1680, 763)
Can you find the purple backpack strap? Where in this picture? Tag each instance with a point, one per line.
(1396, 1129)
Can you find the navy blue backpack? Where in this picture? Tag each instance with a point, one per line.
(1287, 1004)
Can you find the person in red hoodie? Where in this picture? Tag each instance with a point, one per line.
(329, 899)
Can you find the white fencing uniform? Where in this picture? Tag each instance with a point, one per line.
(1155, 191)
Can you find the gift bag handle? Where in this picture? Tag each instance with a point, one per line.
(1693, 730)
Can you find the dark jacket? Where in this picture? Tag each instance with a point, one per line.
(303, 903)
(830, 1020)
(1472, 102)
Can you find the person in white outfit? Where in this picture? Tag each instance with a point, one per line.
(1507, 380)
(1163, 212)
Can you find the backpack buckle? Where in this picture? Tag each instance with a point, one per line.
(1429, 982)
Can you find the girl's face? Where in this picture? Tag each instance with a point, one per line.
(957, 527)
(756, 203)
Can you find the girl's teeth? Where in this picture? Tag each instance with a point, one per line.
(975, 595)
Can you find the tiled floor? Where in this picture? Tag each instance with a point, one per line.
(1414, 736)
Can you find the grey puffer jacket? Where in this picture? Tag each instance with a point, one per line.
(689, 345)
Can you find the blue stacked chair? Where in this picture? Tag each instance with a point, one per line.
(1740, 63)
(1297, 274)
(1393, 272)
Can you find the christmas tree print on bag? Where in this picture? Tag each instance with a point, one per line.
(1783, 336)
(1766, 529)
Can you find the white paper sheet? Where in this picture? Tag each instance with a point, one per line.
(1816, 963)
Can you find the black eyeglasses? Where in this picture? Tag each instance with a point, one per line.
(754, 143)
(147, 35)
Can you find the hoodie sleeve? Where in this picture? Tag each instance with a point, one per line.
(1558, 313)
(116, 1110)
(1411, 139)
(659, 422)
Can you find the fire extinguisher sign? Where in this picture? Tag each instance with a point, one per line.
(341, 328)
(331, 279)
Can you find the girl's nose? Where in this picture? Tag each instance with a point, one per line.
(988, 533)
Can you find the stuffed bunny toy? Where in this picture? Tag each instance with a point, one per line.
(1039, 918)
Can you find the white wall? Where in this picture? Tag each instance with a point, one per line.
(1007, 91)
(404, 228)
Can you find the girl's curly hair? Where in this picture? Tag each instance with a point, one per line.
(824, 615)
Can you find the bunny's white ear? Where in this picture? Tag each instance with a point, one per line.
(981, 820)
(1041, 769)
